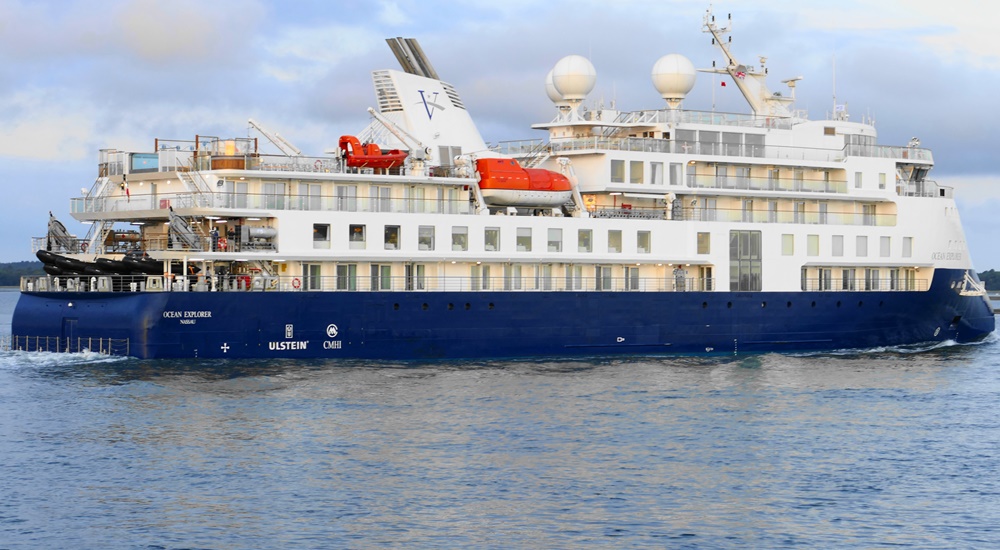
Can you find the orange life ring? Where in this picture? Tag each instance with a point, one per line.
(318, 164)
(296, 283)
(222, 243)
(83, 247)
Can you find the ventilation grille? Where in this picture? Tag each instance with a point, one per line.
(453, 95)
(385, 91)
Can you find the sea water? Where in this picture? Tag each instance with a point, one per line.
(887, 447)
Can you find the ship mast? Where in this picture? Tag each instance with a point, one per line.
(750, 80)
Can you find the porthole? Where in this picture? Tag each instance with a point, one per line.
(789, 304)
(838, 303)
(395, 307)
(468, 306)
(491, 305)
(814, 304)
(729, 305)
(880, 303)
(861, 303)
(451, 307)
(704, 305)
(763, 304)
(424, 307)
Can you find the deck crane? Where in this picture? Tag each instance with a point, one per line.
(418, 151)
(281, 143)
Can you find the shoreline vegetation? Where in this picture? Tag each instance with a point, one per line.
(11, 273)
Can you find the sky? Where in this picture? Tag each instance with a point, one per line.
(80, 76)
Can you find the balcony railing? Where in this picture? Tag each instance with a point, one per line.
(766, 184)
(864, 284)
(360, 283)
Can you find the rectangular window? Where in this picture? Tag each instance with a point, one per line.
(356, 236)
(524, 239)
(392, 237)
(274, 195)
(884, 247)
(321, 235)
(347, 198)
(862, 246)
(857, 180)
(823, 213)
(800, 212)
(574, 277)
(491, 239)
(585, 240)
(871, 279)
(837, 248)
(381, 201)
(543, 277)
(415, 277)
(868, 214)
(745, 268)
(881, 180)
(829, 131)
(847, 279)
(787, 245)
(631, 278)
(642, 240)
(425, 237)
(635, 171)
(381, 277)
(614, 240)
(602, 276)
(310, 196)
(772, 211)
(460, 238)
(704, 243)
(347, 276)
(512, 277)
(812, 245)
(656, 173)
(754, 145)
(731, 143)
(555, 240)
(617, 171)
(907, 247)
(311, 274)
(676, 173)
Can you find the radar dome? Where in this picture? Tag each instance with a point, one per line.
(551, 91)
(574, 77)
(673, 76)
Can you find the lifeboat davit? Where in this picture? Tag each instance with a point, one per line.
(505, 183)
(369, 155)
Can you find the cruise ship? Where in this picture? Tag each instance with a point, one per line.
(653, 232)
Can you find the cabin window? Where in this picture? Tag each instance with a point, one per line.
(585, 240)
(310, 196)
(425, 237)
(524, 239)
(731, 143)
(512, 277)
(907, 247)
(709, 142)
(745, 266)
(862, 246)
(416, 277)
(837, 245)
(857, 180)
(635, 171)
(847, 279)
(871, 279)
(829, 131)
(555, 240)
(321, 235)
(617, 171)
(631, 278)
(356, 236)
(812, 245)
(881, 180)
(676, 173)
(381, 199)
(311, 275)
(787, 245)
(460, 238)
(543, 277)
(274, 195)
(642, 242)
(799, 214)
(381, 277)
(614, 240)
(602, 276)
(656, 173)
(347, 198)
(574, 277)
(492, 239)
(884, 246)
(704, 243)
(347, 276)
(392, 237)
(754, 145)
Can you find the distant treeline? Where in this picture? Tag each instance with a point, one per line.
(11, 273)
(991, 278)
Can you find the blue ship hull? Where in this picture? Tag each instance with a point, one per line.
(436, 325)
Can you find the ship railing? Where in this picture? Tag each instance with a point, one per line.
(864, 284)
(65, 344)
(889, 152)
(251, 201)
(260, 282)
(730, 215)
(748, 183)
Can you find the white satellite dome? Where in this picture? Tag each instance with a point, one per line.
(673, 76)
(574, 77)
(551, 91)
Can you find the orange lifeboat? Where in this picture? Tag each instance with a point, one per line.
(369, 155)
(505, 183)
